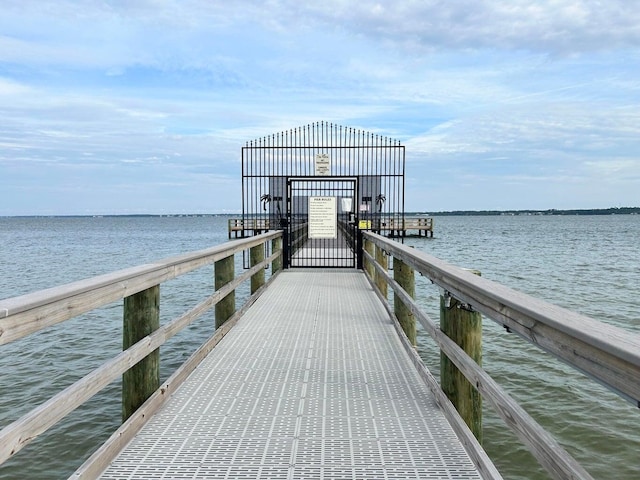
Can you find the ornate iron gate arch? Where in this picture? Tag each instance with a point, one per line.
(321, 184)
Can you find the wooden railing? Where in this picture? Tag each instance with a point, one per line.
(138, 287)
(421, 224)
(298, 236)
(608, 354)
(392, 225)
(398, 226)
(250, 226)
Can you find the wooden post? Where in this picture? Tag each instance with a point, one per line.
(141, 318)
(276, 265)
(224, 273)
(381, 283)
(256, 255)
(370, 248)
(403, 274)
(463, 326)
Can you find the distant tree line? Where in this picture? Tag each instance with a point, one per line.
(553, 211)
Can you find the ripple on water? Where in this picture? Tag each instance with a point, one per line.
(587, 264)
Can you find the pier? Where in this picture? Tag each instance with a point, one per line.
(320, 384)
(314, 372)
(313, 382)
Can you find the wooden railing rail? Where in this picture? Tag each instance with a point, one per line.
(27, 314)
(608, 354)
(55, 305)
(248, 227)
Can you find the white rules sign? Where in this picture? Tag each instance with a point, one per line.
(323, 217)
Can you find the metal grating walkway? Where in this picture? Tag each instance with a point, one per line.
(325, 252)
(311, 383)
(311, 255)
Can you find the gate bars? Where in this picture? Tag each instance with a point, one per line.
(377, 162)
(321, 244)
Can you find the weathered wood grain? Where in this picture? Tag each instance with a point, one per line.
(21, 432)
(464, 327)
(101, 458)
(609, 354)
(141, 318)
(26, 314)
(555, 459)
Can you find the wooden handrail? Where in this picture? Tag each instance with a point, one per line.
(544, 447)
(62, 303)
(607, 353)
(26, 314)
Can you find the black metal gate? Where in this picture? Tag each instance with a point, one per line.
(321, 165)
(321, 223)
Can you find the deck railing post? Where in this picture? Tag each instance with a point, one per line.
(369, 247)
(141, 318)
(276, 245)
(403, 274)
(286, 246)
(359, 246)
(225, 273)
(256, 255)
(381, 282)
(464, 326)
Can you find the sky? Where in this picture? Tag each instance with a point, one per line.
(143, 106)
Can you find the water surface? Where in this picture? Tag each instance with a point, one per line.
(587, 264)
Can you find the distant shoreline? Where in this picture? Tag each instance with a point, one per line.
(452, 213)
(552, 211)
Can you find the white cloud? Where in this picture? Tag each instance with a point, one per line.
(557, 26)
(514, 92)
(619, 169)
(191, 33)
(10, 88)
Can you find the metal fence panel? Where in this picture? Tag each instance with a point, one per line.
(281, 172)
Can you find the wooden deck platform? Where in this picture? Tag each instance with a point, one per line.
(247, 228)
(313, 382)
(416, 224)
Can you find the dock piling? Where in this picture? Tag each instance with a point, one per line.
(464, 326)
(225, 273)
(141, 318)
(256, 255)
(369, 247)
(276, 245)
(381, 282)
(404, 275)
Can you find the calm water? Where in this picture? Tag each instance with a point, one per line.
(587, 264)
